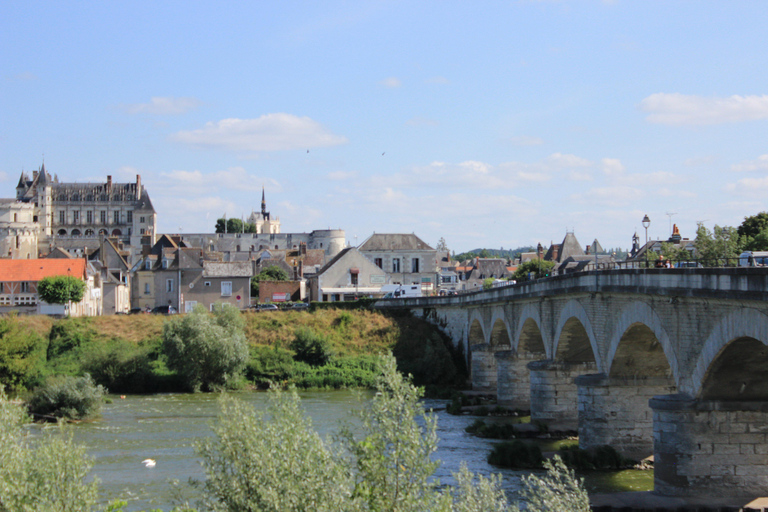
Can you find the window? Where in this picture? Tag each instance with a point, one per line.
(141, 219)
(354, 279)
(141, 231)
(62, 218)
(207, 283)
(146, 288)
(15, 217)
(24, 287)
(89, 217)
(378, 262)
(226, 288)
(169, 285)
(396, 265)
(76, 217)
(2, 288)
(117, 217)
(103, 216)
(130, 217)
(165, 263)
(148, 265)
(414, 264)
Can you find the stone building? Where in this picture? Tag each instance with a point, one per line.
(18, 232)
(263, 220)
(406, 258)
(78, 215)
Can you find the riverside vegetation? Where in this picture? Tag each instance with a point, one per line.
(327, 348)
(275, 461)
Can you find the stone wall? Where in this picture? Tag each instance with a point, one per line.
(554, 396)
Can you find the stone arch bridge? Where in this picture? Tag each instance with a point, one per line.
(670, 362)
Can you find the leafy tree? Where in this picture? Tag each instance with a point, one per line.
(488, 283)
(441, 246)
(48, 475)
(61, 289)
(271, 273)
(234, 225)
(208, 351)
(68, 397)
(274, 460)
(310, 347)
(754, 232)
(714, 248)
(539, 268)
(672, 253)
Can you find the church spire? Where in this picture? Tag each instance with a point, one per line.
(264, 212)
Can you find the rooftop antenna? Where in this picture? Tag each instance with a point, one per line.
(670, 214)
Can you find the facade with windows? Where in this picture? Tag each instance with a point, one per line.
(77, 215)
(405, 258)
(346, 277)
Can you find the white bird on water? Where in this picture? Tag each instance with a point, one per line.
(150, 463)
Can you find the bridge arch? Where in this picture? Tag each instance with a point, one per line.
(574, 323)
(475, 334)
(737, 333)
(528, 336)
(499, 335)
(634, 319)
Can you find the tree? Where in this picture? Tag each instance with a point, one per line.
(274, 460)
(61, 289)
(68, 397)
(271, 273)
(48, 475)
(539, 268)
(715, 248)
(208, 351)
(488, 283)
(754, 232)
(234, 225)
(441, 246)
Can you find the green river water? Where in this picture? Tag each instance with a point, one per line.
(166, 427)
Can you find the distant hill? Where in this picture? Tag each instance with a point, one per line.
(509, 254)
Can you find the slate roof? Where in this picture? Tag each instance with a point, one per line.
(232, 269)
(394, 242)
(35, 270)
(569, 247)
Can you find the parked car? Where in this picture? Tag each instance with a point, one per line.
(264, 307)
(299, 305)
(688, 264)
(164, 310)
(136, 311)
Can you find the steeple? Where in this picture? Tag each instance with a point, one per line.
(264, 212)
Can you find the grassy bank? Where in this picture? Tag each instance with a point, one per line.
(123, 353)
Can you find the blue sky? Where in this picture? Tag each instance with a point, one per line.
(491, 124)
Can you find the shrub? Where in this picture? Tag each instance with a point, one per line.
(601, 458)
(68, 397)
(22, 355)
(516, 454)
(269, 365)
(208, 352)
(310, 347)
(122, 367)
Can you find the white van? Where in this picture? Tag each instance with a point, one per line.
(399, 291)
(753, 259)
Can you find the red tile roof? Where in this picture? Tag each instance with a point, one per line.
(35, 270)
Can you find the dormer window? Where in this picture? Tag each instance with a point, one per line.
(148, 265)
(165, 264)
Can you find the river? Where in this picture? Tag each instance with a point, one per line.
(165, 428)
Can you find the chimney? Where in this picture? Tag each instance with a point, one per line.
(138, 187)
(586, 251)
(302, 249)
(109, 184)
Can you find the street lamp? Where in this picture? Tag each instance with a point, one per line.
(646, 223)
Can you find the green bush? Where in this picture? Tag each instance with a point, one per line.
(122, 367)
(208, 351)
(310, 347)
(516, 454)
(268, 365)
(22, 355)
(601, 458)
(68, 397)
(492, 430)
(348, 372)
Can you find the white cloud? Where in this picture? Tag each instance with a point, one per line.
(163, 106)
(612, 166)
(616, 196)
(391, 82)
(559, 160)
(749, 186)
(195, 182)
(682, 109)
(650, 179)
(270, 132)
(525, 140)
(579, 176)
(760, 164)
(676, 193)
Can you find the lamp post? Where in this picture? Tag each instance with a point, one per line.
(646, 223)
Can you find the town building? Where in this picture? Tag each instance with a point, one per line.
(19, 280)
(75, 215)
(405, 258)
(349, 275)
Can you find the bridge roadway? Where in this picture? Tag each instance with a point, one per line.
(669, 362)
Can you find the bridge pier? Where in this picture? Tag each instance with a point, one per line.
(483, 368)
(709, 447)
(554, 394)
(614, 411)
(514, 379)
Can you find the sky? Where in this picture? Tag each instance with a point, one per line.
(489, 124)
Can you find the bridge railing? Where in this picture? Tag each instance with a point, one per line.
(744, 283)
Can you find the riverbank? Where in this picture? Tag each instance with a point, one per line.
(123, 353)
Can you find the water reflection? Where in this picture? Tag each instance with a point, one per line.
(166, 428)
